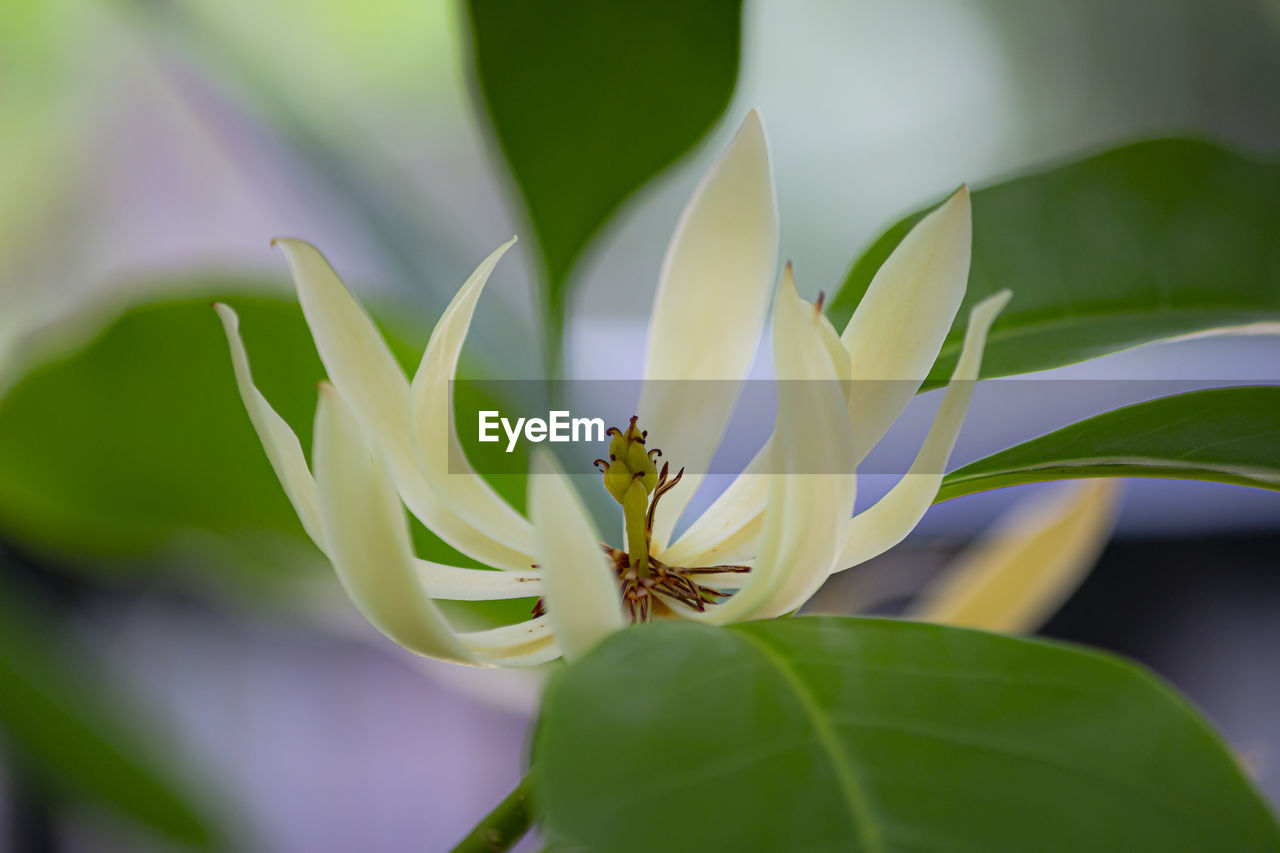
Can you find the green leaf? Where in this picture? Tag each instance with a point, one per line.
(1227, 435)
(112, 450)
(590, 100)
(865, 734)
(73, 736)
(1138, 244)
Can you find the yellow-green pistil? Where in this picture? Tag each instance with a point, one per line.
(630, 476)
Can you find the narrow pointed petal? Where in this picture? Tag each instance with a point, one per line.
(442, 460)
(527, 643)
(811, 486)
(368, 536)
(579, 585)
(710, 306)
(729, 530)
(507, 636)
(363, 370)
(278, 439)
(354, 353)
(529, 655)
(890, 519)
(459, 584)
(896, 333)
(1027, 564)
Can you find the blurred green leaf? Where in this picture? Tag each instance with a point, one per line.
(1227, 435)
(1138, 244)
(863, 734)
(74, 736)
(588, 101)
(112, 450)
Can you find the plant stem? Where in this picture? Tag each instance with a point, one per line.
(504, 826)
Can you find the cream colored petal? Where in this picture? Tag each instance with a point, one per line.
(524, 644)
(731, 526)
(729, 530)
(354, 353)
(536, 653)
(886, 351)
(897, 331)
(440, 456)
(890, 519)
(368, 536)
(811, 487)
(708, 312)
(580, 588)
(890, 344)
(831, 342)
(458, 584)
(495, 640)
(725, 580)
(362, 368)
(1027, 563)
(814, 422)
(277, 437)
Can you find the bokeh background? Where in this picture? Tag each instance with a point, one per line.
(149, 149)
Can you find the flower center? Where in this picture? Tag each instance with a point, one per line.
(646, 584)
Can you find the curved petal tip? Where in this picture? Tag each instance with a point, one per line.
(293, 247)
(956, 211)
(988, 309)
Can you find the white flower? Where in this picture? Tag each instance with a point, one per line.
(774, 536)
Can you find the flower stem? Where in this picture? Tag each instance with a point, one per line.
(504, 826)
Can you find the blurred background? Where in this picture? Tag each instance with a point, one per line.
(149, 150)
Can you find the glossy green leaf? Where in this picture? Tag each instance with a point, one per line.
(1227, 435)
(863, 734)
(1138, 244)
(73, 735)
(590, 100)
